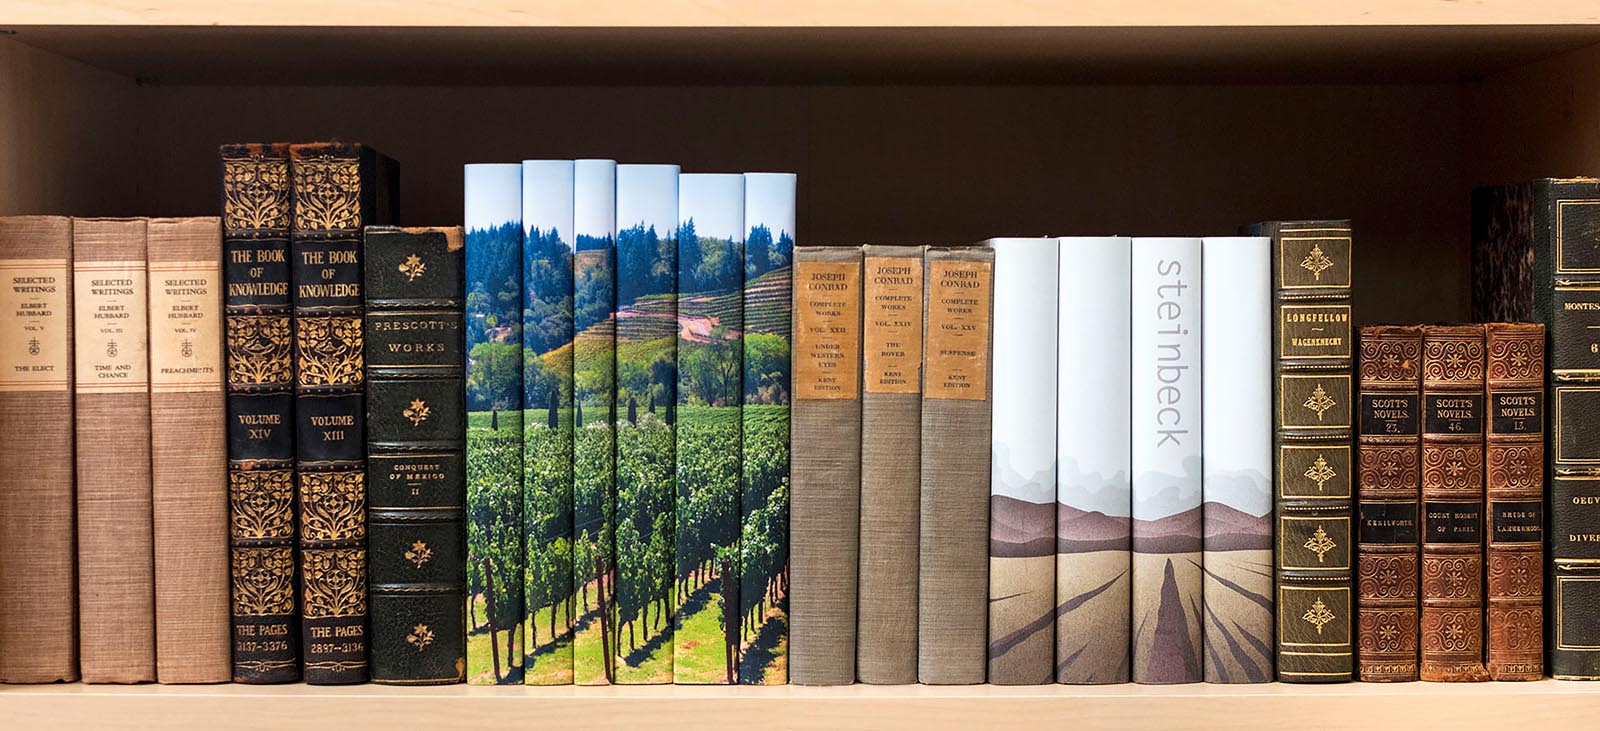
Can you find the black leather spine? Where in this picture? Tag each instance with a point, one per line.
(255, 203)
(416, 452)
(337, 188)
(1536, 257)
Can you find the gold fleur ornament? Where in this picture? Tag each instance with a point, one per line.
(1319, 472)
(419, 554)
(1319, 543)
(1318, 615)
(1319, 401)
(417, 412)
(421, 636)
(412, 267)
(1316, 262)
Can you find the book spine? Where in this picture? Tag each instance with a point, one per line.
(646, 356)
(1094, 504)
(1236, 489)
(1022, 476)
(769, 217)
(953, 567)
(1312, 448)
(337, 188)
(1167, 537)
(116, 572)
(1452, 503)
(1389, 456)
(494, 423)
(260, 412)
(1565, 237)
(891, 447)
(38, 589)
(707, 641)
(1514, 469)
(547, 246)
(416, 455)
(594, 576)
(188, 456)
(825, 429)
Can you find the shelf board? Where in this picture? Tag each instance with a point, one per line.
(1461, 707)
(739, 13)
(721, 55)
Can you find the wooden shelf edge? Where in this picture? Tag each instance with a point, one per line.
(798, 13)
(1352, 705)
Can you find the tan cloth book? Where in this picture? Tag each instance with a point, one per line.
(116, 569)
(189, 453)
(38, 611)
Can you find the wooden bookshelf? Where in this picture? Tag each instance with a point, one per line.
(1199, 707)
(921, 122)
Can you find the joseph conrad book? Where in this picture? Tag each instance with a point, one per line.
(1313, 469)
(1536, 258)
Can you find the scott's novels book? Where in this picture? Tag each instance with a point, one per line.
(416, 460)
(1515, 480)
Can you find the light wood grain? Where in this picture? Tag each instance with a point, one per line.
(1198, 707)
(734, 13)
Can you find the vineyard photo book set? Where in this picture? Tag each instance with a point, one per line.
(618, 428)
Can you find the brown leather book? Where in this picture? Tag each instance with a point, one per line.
(891, 433)
(1389, 478)
(1452, 503)
(38, 611)
(189, 451)
(116, 571)
(1515, 471)
(824, 506)
(953, 575)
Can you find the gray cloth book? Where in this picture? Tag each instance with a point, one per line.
(826, 465)
(953, 571)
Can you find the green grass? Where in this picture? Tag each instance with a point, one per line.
(699, 658)
(550, 663)
(480, 659)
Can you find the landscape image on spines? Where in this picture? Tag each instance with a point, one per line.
(594, 576)
(494, 424)
(646, 363)
(547, 420)
(706, 637)
(764, 467)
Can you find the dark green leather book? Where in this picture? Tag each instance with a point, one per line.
(416, 454)
(1536, 258)
(1312, 445)
(337, 188)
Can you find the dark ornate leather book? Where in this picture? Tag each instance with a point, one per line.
(337, 188)
(825, 506)
(1514, 551)
(891, 445)
(116, 567)
(1389, 479)
(1536, 258)
(1313, 469)
(188, 455)
(38, 583)
(953, 560)
(260, 342)
(1452, 503)
(416, 455)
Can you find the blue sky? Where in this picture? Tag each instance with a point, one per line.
(769, 200)
(547, 197)
(648, 194)
(493, 194)
(715, 202)
(595, 198)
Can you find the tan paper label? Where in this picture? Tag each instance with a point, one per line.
(185, 326)
(959, 310)
(893, 317)
(827, 329)
(109, 323)
(33, 325)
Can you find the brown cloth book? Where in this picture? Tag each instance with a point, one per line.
(189, 451)
(116, 569)
(825, 472)
(1515, 477)
(1389, 459)
(38, 590)
(953, 575)
(1452, 503)
(891, 441)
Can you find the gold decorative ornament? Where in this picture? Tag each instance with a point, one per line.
(1319, 543)
(329, 351)
(258, 350)
(417, 412)
(412, 267)
(1316, 262)
(419, 554)
(1318, 615)
(1319, 472)
(255, 193)
(421, 636)
(327, 193)
(1319, 401)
